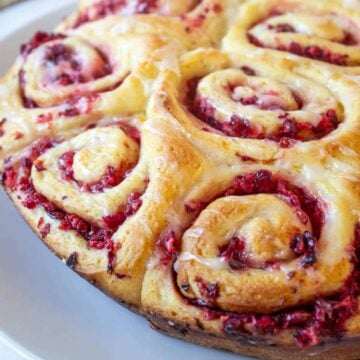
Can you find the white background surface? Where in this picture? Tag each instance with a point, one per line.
(46, 311)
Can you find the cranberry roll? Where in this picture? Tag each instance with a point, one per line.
(99, 199)
(199, 161)
(64, 81)
(266, 257)
(256, 258)
(193, 22)
(323, 32)
(254, 110)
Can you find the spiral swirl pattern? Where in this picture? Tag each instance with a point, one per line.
(69, 80)
(94, 9)
(321, 31)
(262, 230)
(192, 23)
(199, 162)
(257, 107)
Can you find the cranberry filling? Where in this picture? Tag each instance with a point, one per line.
(234, 253)
(324, 317)
(67, 71)
(281, 28)
(133, 204)
(248, 70)
(311, 51)
(210, 292)
(69, 67)
(28, 103)
(37, 40)
(168, 247)
(19, 178)
(349, 39)
(194, 22)
(45, 230)
(307, 207)
(104, 8)
(304, 244)
(317, 53)
(112, 176)
(195, 206)
(236, 126)
(241, 127)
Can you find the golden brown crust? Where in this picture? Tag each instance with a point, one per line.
(170, 163)
(347, 350)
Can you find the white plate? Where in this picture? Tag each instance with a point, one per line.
(46, 310)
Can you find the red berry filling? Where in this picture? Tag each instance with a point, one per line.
(279, 28)
(317, 53)
(28, 103)
(234, 253)
(45, 230)
(63, 67)
(133, 204)
(112, 176)
(168, 247)
(241, 127)
(37, 40)
(325, 316)
(68, 68)
(304, 244)
(104, 8)
(210, 292)
(248, 70)
(195, 206)
(18, 177)
(311, 51)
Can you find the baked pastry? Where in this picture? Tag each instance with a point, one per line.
(203, 173)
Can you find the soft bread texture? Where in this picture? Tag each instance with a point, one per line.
(199, 162)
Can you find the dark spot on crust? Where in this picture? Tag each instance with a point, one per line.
(2, 122)
(72, 261)
(121, 276)
(183, 329)
(185, 287)
(199, 324)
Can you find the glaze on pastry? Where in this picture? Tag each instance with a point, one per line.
(199, 162)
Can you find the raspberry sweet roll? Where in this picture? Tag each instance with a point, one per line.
(231, 102)
(323, 31)
(99, 199)
(268, 250)
(193, 22)
(60, 82)
(269, 258)
(207, 178)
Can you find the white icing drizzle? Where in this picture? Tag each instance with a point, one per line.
(214, 263)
